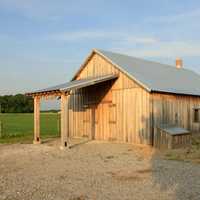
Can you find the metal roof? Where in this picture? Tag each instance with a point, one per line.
(77, 84)
(174, 130)
(155, 76)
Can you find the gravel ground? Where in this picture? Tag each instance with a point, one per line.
(94, 170)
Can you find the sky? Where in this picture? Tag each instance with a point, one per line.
(43, 42)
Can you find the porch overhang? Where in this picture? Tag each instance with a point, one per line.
(72, 85)
(62, 91)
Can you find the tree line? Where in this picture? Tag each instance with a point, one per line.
(16, 104)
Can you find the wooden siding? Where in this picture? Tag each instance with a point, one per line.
(116, 110)
(164, 140)
(122, 110)
(175, 109)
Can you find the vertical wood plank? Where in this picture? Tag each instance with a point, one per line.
(37, 139)
(64, 121)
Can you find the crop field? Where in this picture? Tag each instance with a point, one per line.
(19, 127)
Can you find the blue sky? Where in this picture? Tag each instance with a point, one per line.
(43, 42)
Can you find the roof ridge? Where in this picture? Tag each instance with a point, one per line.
(144, 60)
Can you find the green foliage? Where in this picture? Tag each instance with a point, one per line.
(16, 104)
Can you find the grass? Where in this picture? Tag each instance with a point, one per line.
(190, 154)
(18, 128)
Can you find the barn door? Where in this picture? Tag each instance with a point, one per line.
(93, 115)
(102, 124)
(112, 122)
(89, 122)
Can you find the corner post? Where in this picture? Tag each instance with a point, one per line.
(64, 121)
(37, 139)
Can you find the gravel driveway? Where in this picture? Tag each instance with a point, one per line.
(94, 170)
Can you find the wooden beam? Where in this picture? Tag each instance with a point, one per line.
(49, 94)
(64, 121)
(37, 139)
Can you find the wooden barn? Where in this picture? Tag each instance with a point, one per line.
(116, 97)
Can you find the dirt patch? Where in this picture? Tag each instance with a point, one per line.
(82, 197)
(93, 170)
(137, 175)
(110, 157)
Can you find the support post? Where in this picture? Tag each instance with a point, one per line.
(64, 121)
(1, 129)
(37, 139)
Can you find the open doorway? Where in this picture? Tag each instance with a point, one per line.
(50, 119)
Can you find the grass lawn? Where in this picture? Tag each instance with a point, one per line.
(19, 127)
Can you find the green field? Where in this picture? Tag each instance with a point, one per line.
(19, 127)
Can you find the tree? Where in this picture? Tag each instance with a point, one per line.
(16, 104)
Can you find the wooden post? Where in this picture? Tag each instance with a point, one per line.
(64, 121)
(1, 129)
(37, 139)
(58, 123)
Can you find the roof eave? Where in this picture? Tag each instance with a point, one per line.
(174, 93)
(86, 83)
(44, 93)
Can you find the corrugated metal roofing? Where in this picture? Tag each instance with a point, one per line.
(174, 130)
(155, 76)
(76, 84)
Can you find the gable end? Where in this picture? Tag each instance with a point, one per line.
(95, 51)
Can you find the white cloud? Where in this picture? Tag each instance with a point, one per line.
(80, 35)
(141, 40)
(112, 36)
(35, 9)
(166, 49)
(50, 10)
(141, 46)
(187, 16)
